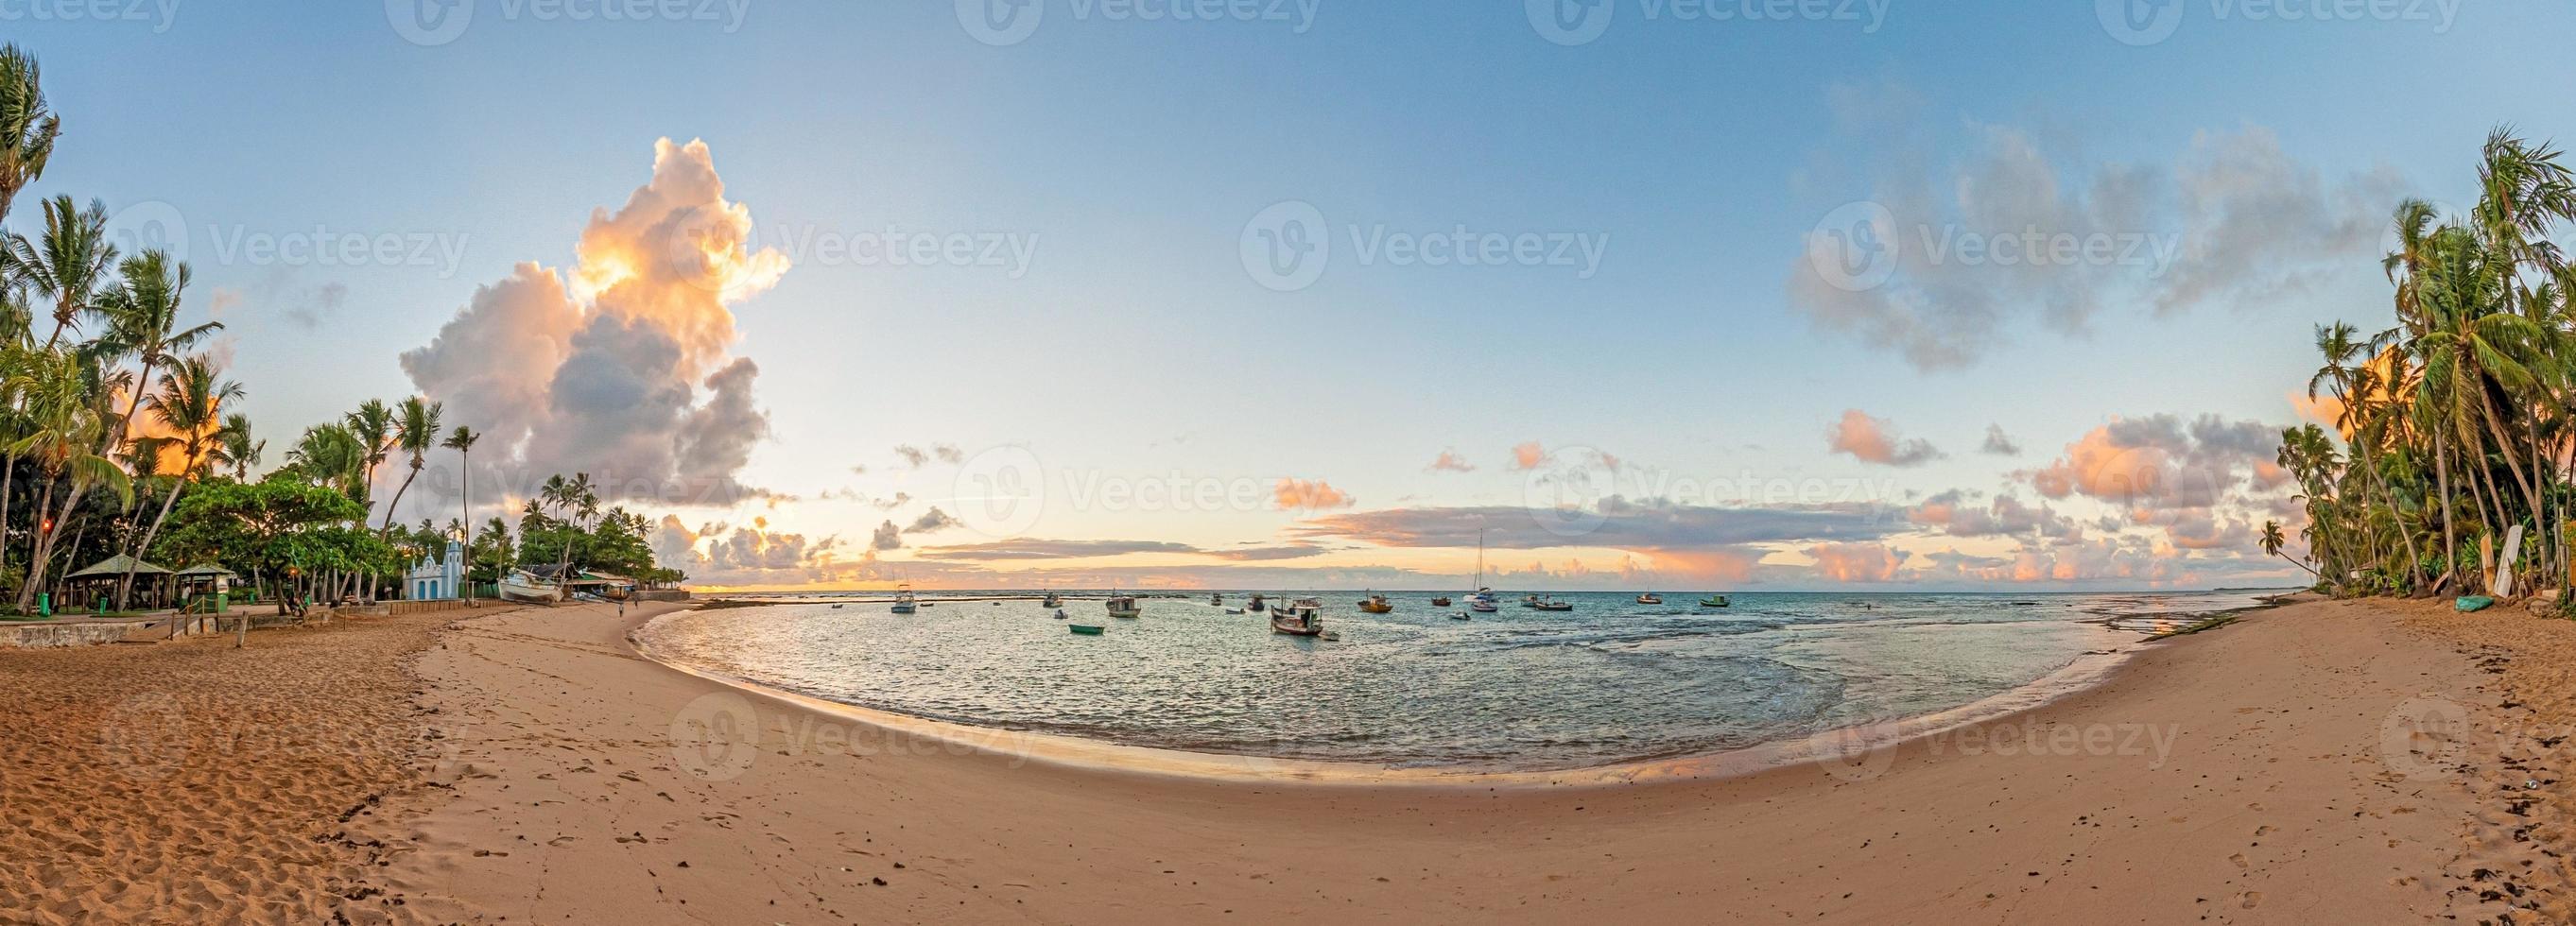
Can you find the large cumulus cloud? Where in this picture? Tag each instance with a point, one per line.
(619, 367)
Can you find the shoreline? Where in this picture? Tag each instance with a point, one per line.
(1848, 744)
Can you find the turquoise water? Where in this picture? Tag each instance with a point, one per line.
(1610, 681)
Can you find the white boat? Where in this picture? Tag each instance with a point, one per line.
(1124, 606)
(1300, 618)
(522, 585)
(1650, 598)
(904, 603)
(1483, 601)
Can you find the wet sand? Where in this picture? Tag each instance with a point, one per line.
(2323, 762)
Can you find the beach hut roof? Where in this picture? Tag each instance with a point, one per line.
(210, 569)
(115, 566)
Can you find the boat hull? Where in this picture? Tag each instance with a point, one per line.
(1086, 630)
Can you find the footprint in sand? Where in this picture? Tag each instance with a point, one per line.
(2239, 859)
(2253, 899)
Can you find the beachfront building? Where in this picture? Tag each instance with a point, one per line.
(433, 580)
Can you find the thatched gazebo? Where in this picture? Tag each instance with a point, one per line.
(104, 576)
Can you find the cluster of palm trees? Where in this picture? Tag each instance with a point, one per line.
(108, 403)
(2454, 426)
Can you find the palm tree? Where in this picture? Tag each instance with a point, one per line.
(373, 423)
(416, 433)
(462, 441)
(143, 316)
(330, 455)
(69, 262)
(27, 126)
(2272, 542)
(235, 448)
(64, 429)
(190, 404)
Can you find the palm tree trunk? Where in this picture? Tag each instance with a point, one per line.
(38, 544)
(391, 506)
(2442, 476)
(149, 534)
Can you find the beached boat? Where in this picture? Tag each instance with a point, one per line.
(904, 603)
(522, 585)
(1650, 598)
(1124, 606)
(1085, 630)
(1714, 601)
(1300, 618)
(1377, 604)
(1052, 600)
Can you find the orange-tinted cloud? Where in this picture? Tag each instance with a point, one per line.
(1873, 440)
(1451, 462)
(1528, 456)
(1301, 495)
(1856, 562)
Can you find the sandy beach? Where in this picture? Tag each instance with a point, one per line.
(2269, 771)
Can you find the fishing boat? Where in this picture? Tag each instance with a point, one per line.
(1300, 618)
(1377, 604)
(1650, 598)
(1257, 605)
(1217, 600)
(1052, 600)
(522, 585)
(1085, 630)
(1440, 602)
(1460, 616)
(1059, 614)
(1124, 606)
(1551, 604)
(1713, 601)
(1529, 601)
(904, 603)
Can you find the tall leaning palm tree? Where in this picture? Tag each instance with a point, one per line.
(416, 433)
(373, 423)
(190, 404)
(143, 317)
(462, 440)
(27, 126)
(69, 261)
(65, 427)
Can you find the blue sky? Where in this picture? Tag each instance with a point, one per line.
(1126, 157)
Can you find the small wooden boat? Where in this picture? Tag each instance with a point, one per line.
(1258, 605)
(1460, 616)
(1714, 601)
(1052, 600)
(1059, 614)
(1650, 598)
(1300, 618)
(1234, 610)
(1551, 604)
(1440, 602)
(1377, 604)
(904, 603)
(1217, 600)
(1125, 607)
(522, 585)
(1085, 630)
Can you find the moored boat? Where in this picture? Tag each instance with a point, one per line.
(1650, 598)
(1258, 605)
(1714, 601)
(1377, 604)
(1217, 600)
(1124, 606)
(904, 603)
(1552, 604)
(1052, 600)
(1440, 602)
(1300, 618)
(1085, 630)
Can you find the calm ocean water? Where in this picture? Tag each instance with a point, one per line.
(1609, 681)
